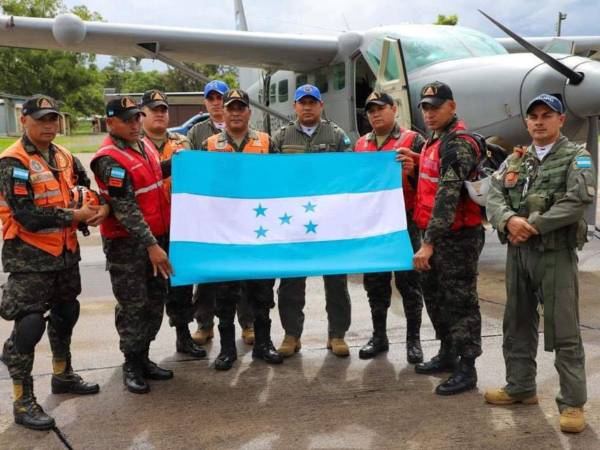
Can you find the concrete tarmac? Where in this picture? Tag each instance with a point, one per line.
(314, 400)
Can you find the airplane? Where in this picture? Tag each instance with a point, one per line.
(492, 79)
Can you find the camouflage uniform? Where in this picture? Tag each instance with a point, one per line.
(450, 287)
(553, 195)
(140, 295)
(327, 137)
(38, 281)
(200, 132)
(378, 285)
(180, 306)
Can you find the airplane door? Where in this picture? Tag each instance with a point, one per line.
(392, 79)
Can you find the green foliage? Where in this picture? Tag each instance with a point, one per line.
(446, 20)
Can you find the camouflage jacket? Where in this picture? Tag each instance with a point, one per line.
(124, 206)
(18, 256)
(328, 137)
(200, 132)
(179, 141)
(457, 161)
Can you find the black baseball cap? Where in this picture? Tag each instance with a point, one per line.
(436, 93)
(123, 107)
(236, 95)
(154, 98)
(379, 98)
(40, 105)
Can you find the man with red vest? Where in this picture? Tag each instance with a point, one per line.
(135, 238)
(388, 135)
(180, 307)
(41, 254)
(239, 137)
(453, 238)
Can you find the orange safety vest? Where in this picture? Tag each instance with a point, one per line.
(405, 139)
(146, 178)
(468, 213)
(48, 192)
(258, 142)
(171, 147)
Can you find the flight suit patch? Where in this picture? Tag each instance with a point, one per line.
(583, 162)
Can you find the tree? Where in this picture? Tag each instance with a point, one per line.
(446, 20)
(177, 81)
(71, 78)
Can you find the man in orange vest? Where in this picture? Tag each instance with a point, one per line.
(41, 253)
(239, 137)
(453, 238)
(180, 307)
(388, 135)
(135, 238)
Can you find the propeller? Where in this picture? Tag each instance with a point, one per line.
(574, 77)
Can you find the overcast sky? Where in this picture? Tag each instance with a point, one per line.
(527, 17)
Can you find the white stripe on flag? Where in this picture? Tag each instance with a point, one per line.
(219, 220)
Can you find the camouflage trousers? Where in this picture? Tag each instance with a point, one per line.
(408, 283)
(205, 305)
(141, 297)
(450, 290)
(37, 292)
(292, 298)
(258, 294)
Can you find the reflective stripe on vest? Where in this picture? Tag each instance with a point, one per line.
(406, 139)
(48, 192)
(468, 213)
(146, 178)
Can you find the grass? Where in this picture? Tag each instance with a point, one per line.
(77, 143)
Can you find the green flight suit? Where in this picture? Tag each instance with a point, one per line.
(553, 195)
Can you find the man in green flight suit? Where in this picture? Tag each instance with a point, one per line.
(537, 201)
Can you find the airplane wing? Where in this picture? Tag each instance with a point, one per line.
(587, 46)
(237, 48)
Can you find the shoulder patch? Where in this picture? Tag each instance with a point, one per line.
(451, 175)
(346, 140)
(583, 162)
(117, 172)
(20, 174)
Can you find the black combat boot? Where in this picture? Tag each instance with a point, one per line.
(133, 378)
(68, 382)
(414, 352)
(379, 342)
(228, 353)
(463, 379)
(151, 370)
(185, 344)
(263, 346)
(26, 410)
(444, 361)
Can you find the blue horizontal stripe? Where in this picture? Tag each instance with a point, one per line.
(273, 176)
(196, 262)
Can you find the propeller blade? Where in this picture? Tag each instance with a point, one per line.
(574, 77)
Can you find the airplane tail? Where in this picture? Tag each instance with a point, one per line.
(247, 76)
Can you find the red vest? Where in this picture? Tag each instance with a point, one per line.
(468, 213)
(146, 177)
(404, 139)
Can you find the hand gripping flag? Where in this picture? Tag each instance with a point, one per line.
(242, 216)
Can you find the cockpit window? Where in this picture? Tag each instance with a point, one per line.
(424, 46)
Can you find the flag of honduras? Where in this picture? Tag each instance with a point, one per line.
(242, 216)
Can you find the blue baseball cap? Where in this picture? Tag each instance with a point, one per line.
(217, 86)
(549, 100)
(307, 90)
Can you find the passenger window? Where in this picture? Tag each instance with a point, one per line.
(282, 91)
(301, 80)
(339, 77)
(321, 82)
(272, 93)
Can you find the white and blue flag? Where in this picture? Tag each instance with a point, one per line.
(242, 216)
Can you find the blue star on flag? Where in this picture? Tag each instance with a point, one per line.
(285, 219)
(261, 232)
(311, 227)
(309, 207)
(260, 211)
